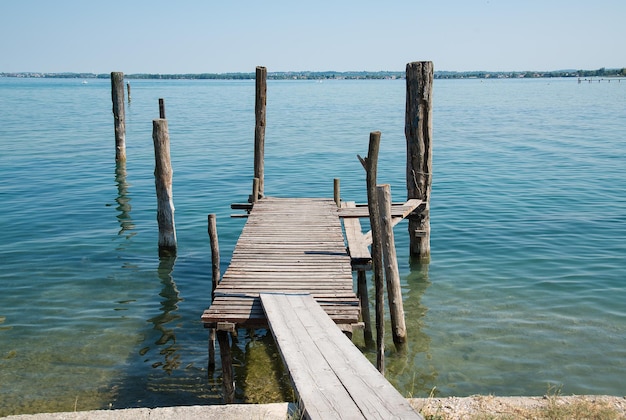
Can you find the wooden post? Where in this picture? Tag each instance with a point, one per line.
(392, 274)
(163, 180)
(254, 197)
(337, 191)
(259, 129)
(371, 167)
(161, 108)
(228, 380)
(119, 116)
(128, 90)
(418, 131)
(215, 252)
(216, 275)
(365, 307)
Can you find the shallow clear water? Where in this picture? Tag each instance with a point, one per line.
(525, 289)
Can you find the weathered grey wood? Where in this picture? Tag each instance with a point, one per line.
(163, 179)
(418, 132)
(128, 91)
(332, 378)
(357, 247)
(398, 210)
(228, 378)
(161, 108)
(371, 163)
(287, 244)
(119, 115)
(254, 197)
(337, 191)
(216, 273)
(407, 209)
(215, 253)
(259, 129)
(392, 274)
(362, 292)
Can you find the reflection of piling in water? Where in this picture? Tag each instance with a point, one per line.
(168, 314)
(123, 200)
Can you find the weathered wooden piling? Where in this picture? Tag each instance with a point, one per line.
(392, 273)
(254, 197)
(119, 115)
(161, 108)
(216, 274)
(418, 131)
(163, 180)
(371, 168)
(128, 91)
(259, 129)
(363, 294)
(228, 377)
(337, 191)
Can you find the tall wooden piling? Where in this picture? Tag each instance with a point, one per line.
(128, 91)
(337, 191)
(119, 115)
(216, 274)
(163, 180)
(259, 129)
(418, 131)
(371, 168)
(392, 274)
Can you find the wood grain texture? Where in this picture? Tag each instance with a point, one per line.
(287, 244)
(332, 378)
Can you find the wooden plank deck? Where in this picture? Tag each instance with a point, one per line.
(287, 245)
(332, 378)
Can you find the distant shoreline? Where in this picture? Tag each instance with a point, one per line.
(335, 75)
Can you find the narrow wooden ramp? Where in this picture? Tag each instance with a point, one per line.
(332, 378)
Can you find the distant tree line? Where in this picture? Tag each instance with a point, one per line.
(329, 75)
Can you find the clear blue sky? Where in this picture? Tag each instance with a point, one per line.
(208, 36)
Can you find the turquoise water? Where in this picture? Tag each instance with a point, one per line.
(525, 289)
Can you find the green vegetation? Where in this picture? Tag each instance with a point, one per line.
(329, 75)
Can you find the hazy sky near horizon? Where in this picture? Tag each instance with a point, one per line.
(208, 36)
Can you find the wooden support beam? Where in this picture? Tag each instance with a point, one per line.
(228, 377)
(392, 274)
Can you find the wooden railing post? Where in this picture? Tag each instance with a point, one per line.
(371, 166)
(337, 191)
(259, 129)
(418, 131)
(163, 180)
(392, 274)
(119, 115)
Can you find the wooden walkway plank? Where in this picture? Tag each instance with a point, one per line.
(318, 354)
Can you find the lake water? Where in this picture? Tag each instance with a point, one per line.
(525, 292)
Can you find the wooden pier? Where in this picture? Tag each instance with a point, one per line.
(291, 272)
(291, 245)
